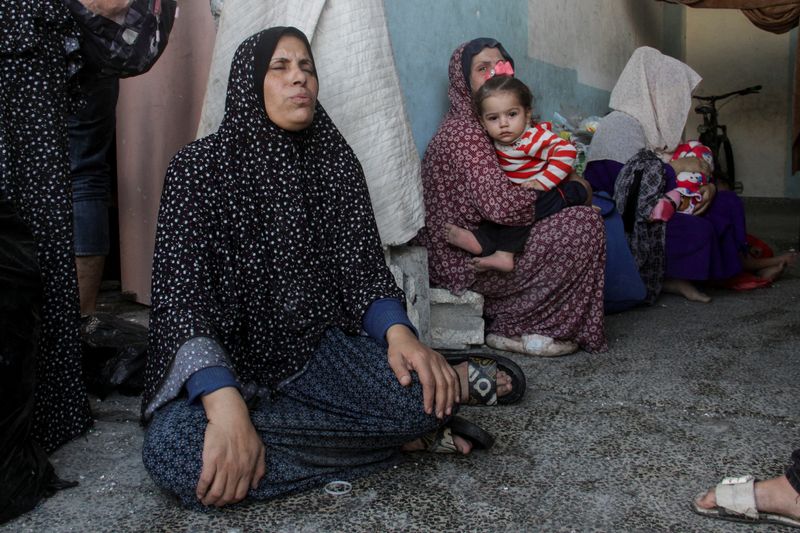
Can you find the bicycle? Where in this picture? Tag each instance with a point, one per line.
(715, 136)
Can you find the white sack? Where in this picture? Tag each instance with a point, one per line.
(359, 89)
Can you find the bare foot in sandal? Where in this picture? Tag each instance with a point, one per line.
(464, 446)
(504, 383)
(774, 495)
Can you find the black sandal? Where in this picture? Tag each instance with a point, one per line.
(441, 440)
(482, 377)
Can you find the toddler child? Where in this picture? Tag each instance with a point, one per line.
(685, 197)
(531, 156)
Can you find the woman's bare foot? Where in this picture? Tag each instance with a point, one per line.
(771, 273)
(502, 379)
(685, 289)
(464, 446)
(774, 495)
(769, 268)
(462, 238)
(501, 261)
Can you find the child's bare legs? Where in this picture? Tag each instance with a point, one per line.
(769, 267)
(462, 238)
(465, 239)
(502, 261)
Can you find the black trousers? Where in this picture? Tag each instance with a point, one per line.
(495, 237)
(793, 471)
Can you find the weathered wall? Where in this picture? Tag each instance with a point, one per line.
(569, 51)
(730, 53)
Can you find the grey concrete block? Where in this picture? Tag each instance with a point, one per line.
(409, 266)
(469, 299)
(456, 321)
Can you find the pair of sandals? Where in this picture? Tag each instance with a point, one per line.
(482, 381)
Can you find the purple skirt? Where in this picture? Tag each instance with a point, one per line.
(707, 247)
(697, 248)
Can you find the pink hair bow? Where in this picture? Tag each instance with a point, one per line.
(501, 68)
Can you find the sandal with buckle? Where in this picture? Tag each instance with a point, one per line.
(441, 440)
(482, 377)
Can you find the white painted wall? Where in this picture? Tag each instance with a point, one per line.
(731, 53)
(594, 37)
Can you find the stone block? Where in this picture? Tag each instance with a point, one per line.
(409, 266)
(456, 321)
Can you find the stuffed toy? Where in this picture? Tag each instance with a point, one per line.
(685, 197)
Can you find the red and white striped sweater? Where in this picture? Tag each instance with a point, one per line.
(537, 155)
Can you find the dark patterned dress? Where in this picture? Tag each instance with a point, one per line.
(556, 288)
(267, 244)
(35, 38)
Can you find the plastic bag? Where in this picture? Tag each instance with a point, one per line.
(114, 352)
(128, 48)
(579, 132)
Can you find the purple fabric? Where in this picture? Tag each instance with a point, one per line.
(700, 248)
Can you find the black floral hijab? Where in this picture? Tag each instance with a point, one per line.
(265, 237)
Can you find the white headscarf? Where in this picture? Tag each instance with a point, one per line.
(656, 90)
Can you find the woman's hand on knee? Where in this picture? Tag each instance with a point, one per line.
(233, 453)
(440, 383)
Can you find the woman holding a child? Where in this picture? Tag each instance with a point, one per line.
(551, 301)
(650, 104)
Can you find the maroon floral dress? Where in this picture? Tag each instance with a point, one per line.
(556, 288)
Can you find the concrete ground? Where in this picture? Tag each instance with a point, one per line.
(620, 441)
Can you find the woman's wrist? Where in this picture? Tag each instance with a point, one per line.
(226, 401)
(399, 333)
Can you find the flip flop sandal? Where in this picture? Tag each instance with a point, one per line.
(745, 281)
(441, 440)
(736, 502)
(482, 377)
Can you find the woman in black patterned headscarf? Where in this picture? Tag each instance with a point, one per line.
(267, 266)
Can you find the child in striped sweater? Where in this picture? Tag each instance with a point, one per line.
(532, 156)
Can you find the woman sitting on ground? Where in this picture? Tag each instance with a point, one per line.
(651, 103)
(267, 266)
(552, 301)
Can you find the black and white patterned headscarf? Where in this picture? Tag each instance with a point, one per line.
(266, 238)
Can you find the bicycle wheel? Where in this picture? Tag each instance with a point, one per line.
(725, 169)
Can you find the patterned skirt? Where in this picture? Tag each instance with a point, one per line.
(342, 417)
(556, 288)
